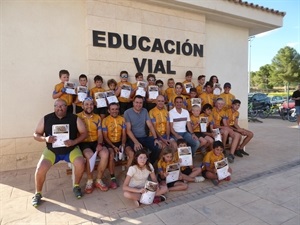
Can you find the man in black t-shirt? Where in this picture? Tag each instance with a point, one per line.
(296, 97)
(62, 132)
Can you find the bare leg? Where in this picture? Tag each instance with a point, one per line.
(103, 154)
(40, 173)
(79, 168)
(130, 154)
(88, 153)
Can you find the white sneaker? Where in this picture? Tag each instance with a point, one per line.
(199, 179)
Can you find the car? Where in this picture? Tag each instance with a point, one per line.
(276, 99)
(291, 104)
(259, 101)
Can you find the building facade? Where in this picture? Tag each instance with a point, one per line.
(100, 37)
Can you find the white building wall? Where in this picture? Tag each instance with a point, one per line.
(39, 38)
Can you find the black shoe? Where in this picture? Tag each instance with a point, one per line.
(230, 158)
(243, 152)
(77, 192)
(238, 153)
(36, 200)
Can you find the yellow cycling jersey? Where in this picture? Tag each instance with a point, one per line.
(95, 90)
(228, 98)
(93, 125)
(195, 120)
(218, 116)
(66, 97)
(232, 116)
(207, 98)
(114, 128)
(160, 117)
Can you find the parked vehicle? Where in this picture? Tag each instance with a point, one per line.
(259, 101)
(276, 100)
(287, 111)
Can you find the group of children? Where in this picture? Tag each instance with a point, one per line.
(220, 109)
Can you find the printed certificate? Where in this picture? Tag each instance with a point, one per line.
(82, 93)
(70, 88)
(100, 99)
(173, 171)
(62, 133)
(185, 154)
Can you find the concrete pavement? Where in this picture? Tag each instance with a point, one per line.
(265, 189)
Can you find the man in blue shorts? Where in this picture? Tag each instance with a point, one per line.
(296, 97)
(62, 132)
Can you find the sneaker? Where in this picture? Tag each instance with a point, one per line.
(101, 186)
(158, 199)
(89, 187)
(36, 200)
(77, 192)
(113, 184)
(199, 179)
(230, 158)
(238, 153)
(215, 182)
(227, 178)
(243, 152)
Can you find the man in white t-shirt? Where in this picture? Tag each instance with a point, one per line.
(179, 121)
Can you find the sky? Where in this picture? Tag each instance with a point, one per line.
(266, 45)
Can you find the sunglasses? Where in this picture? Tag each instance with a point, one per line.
(124, 76)
(151, 79)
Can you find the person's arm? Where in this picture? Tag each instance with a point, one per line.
(131, 189)
(82, 134)
(151, 128)
(177, 136)
(39, 134)
(137, 144)
(190, 129)
(57, 93)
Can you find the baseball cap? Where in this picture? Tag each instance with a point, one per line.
(227, 85)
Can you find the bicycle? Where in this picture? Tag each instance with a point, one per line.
(270, 111)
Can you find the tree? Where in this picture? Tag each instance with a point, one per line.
(285, 66)
(261, 78)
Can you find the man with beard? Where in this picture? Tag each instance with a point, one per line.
(62, 132)
(94, 142)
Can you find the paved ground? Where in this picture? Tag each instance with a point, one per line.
(265, 189)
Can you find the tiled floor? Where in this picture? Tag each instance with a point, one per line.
(265, 189)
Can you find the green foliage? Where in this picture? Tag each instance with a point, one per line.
(284, 70)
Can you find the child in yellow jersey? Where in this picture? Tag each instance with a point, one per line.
(114, 133)
(193, 94)
(209, 170)
(187, 84)
(205, 140)
(178, 92)
(233, 116)
(207, 112)
(170, 91)
(150, 102)
(201, 81)
(60, 90)
(98, 80)
(78, 104)
(125, 103)
(207, 96)
(189, 173)
(165, 160)
(227, 96)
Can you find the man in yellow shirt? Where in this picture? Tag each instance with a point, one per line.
(114, 132)
(94, 142)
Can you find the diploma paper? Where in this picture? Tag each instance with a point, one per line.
(173, 172)
(92, 161)
(125, 91)
(222, 169)
(70, 88)
(101, 99)
(185, 154)
(62, 133)
(82, 93)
